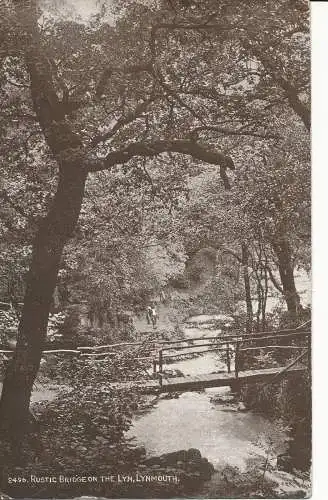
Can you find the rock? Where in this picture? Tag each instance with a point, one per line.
(223, 398)
(284, 462)
(189, 462)
(206, 469)
(153, 461)
(241, 406)
(173, 373)
(174, 457)
(179, 457)
(193, 454)
(102, 440)
(140, 451)
(170, 395)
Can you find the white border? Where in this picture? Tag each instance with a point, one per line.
(319, 16)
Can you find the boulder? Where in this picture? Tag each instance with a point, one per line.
(170, 395)
(284, 462)
(241, 406)
(190, 461)
(223, 398)
(139, 451)
(174, 457)
(173, 373)
(193, 454)
(206, 469)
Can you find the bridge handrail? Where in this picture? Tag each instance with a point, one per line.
(221, 340)
(178, 341)
(240, 339)
(236, 336)
(223, 349)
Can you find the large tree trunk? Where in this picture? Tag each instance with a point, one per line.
(248, 297)
(283, 252)
(53, 231)
(48, 246)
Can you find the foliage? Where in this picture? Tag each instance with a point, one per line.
(289, 400)
(190, 121)
(162, 87)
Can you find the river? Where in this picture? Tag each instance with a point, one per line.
(204, 420)
(223, 434)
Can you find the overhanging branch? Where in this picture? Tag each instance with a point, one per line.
(152, 149)
(124, 120)
(226, 131)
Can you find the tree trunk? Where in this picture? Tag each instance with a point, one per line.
(259, 306)
(54, 231)
(282, 250)
(248, 297)
(265, 298)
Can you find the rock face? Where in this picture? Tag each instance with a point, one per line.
(201, 265)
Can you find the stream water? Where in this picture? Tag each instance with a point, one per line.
(223, 434)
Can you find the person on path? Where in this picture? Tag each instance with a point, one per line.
(151, 315)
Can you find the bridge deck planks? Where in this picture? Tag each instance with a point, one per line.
(199, 382)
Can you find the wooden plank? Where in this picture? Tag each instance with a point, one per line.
(272, 347)
(60, 351)
(199, 382)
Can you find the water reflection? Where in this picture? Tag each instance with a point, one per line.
(192, 421)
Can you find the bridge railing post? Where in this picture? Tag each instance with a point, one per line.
(228, 358)
(237, 360)
(160, 360)
(154, 366)
(160, 367)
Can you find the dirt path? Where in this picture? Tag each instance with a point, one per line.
(165, 320)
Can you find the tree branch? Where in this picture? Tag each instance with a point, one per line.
(225, 131)
(234, 254)
(301, 109)
(273, 280)
(122, 121)
(152, 149)
(106, 75)
(47, 106)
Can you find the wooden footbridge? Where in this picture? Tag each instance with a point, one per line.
(233, 347)
(238, 369)
(203, 381)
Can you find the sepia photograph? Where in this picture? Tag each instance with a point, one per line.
(155, 249)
